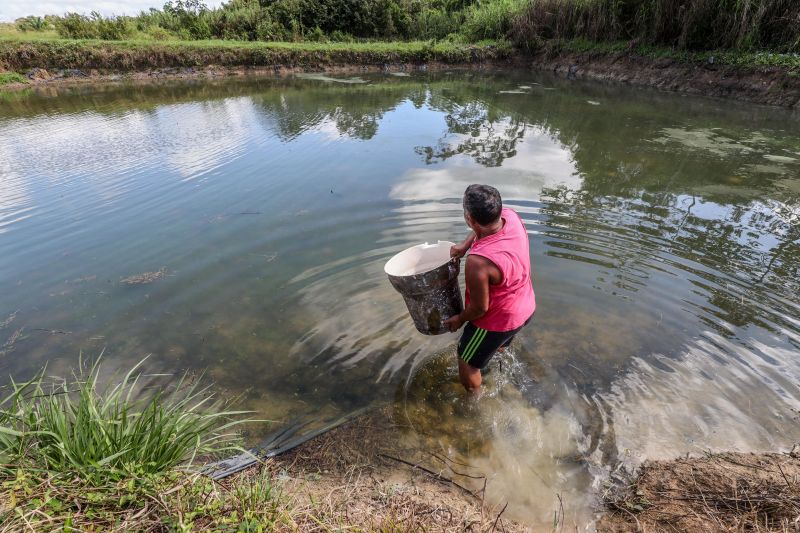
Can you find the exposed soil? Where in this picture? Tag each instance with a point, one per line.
(719, 492)
(763, 85)
(39, 77)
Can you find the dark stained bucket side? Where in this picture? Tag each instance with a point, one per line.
(432, 296)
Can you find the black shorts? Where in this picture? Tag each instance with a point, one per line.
(478, 345)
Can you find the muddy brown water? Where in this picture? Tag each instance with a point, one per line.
(665, 242)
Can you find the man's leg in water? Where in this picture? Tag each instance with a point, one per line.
(475, 349)
(470, 376)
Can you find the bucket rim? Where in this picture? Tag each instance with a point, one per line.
(422, 246)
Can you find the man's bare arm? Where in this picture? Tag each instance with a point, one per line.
(478, 271)
(460, 250)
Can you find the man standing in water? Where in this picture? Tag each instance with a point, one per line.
(499, 294)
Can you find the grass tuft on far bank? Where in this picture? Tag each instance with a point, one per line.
(11, 77)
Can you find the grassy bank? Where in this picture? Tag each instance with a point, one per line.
(78, 456)
(20, 55)
(73, 453)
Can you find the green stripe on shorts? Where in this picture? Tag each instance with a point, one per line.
(476, 341)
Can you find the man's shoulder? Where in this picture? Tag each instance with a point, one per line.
(477, 263)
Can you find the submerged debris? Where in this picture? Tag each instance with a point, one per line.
(144, 278)
(11, 342)
(324, 77)
(9, 320)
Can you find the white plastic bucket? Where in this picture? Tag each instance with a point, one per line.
(427, 278)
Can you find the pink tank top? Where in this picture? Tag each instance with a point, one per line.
(512, 301)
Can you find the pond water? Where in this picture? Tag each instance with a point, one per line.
(665, 242)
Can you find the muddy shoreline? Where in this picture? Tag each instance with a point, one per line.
(762, 85)
(42, 78)
(384, 480)
(359, 476)
(773, 86)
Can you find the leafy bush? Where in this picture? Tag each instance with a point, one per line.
(339, 36)
(157, 33)
(491, 19)
(187, 17)
(438, 23)
(31, 23)
(75, 26)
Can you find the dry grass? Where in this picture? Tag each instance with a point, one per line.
(719, 492)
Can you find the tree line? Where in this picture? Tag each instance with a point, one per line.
(746, 25)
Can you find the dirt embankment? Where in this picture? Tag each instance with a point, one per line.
(68, 62)
(763, 85)
(352, 473)
(719, 492)
(50, 63)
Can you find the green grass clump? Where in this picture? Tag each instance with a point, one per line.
(11, 77)
(75, 455)
(75, 428)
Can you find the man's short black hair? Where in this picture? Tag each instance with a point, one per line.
(483, 203)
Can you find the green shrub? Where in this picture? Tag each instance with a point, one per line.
(187, 17)
(438, 23)
(339, 36)
(316, 35)
(157, 33)
(31, 23)
(75, 26)
(491, 19)
(113, 28)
